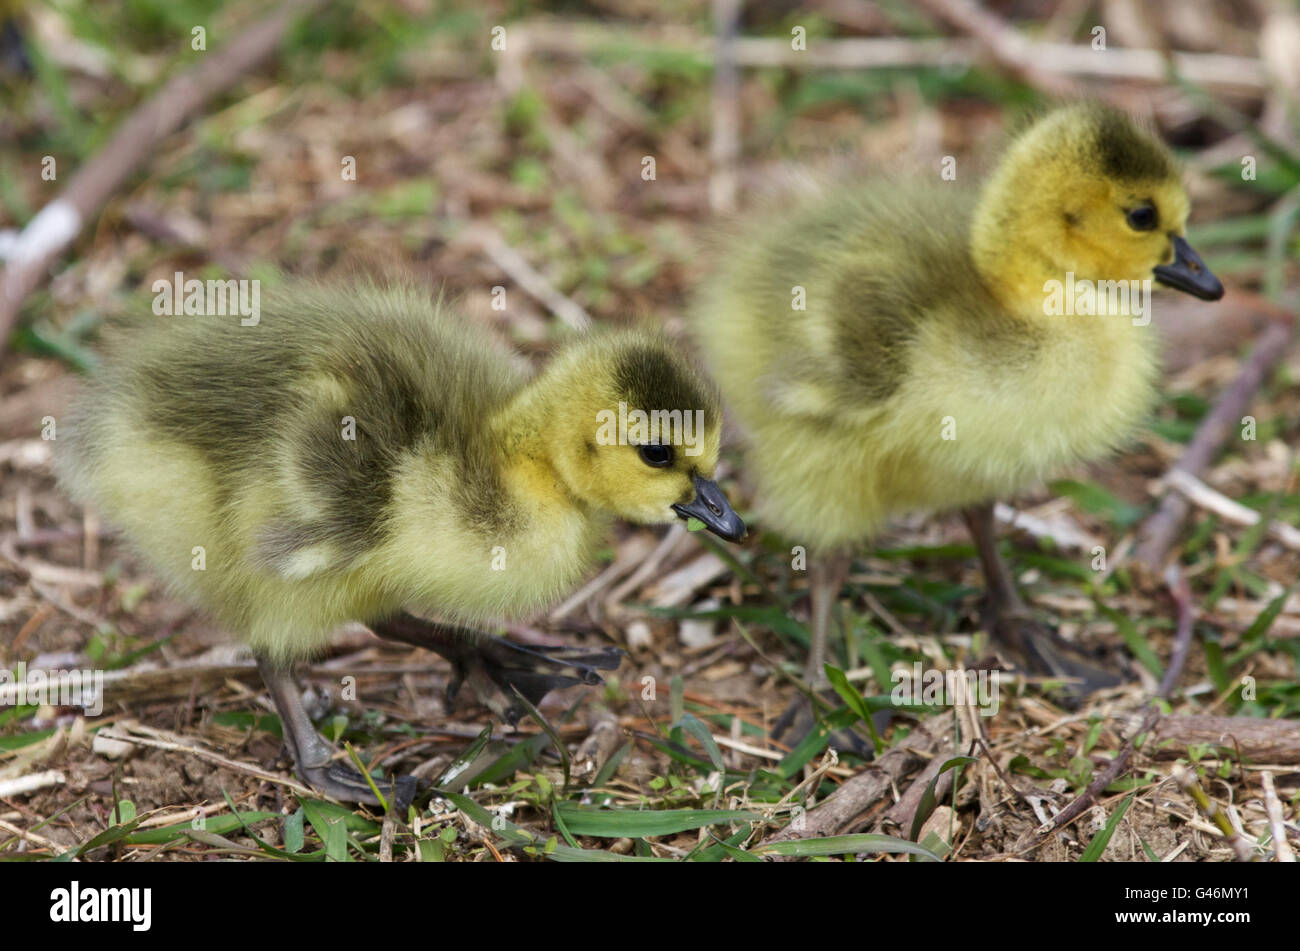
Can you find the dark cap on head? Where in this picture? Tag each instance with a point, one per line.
(651, 377)
(1125, 151)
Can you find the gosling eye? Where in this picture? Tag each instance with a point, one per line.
(1143, 218)
(655, 455)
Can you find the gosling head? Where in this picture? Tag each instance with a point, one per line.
(1085, 190)
(635, 430)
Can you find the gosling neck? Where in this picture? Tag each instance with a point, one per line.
(1013, 259)
(1031, 283)
(529, 429)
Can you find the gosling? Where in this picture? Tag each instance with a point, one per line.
(927, 369)
(364, 453)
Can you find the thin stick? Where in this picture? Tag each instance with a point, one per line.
(724, 139)
(857, 795)
(650, 566)
(630, 554)
(580, 39)
(529, 280)
(1062, 532)
(34, 838)
(1006, 45)
(902, 813)
(1181, 594)
(1157, 535)
(219, 760)
(22, 785)
(1190, 785)
(137, 140)
(992, 760)
(1204, 497)
(1281, 847)
(603, 738)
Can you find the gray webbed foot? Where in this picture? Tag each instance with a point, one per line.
(798, 721)
(1042, 651)
(347, 785)
(314, 759)
(494, 665)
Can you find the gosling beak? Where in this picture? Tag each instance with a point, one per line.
(711, 507)
(1189, 274)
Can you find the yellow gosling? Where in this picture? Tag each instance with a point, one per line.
(931, 366)
(364, 453)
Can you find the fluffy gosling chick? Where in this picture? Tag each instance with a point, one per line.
(927, 371)
(366, 454)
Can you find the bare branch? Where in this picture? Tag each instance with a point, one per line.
(136, 141)
(1157, 535)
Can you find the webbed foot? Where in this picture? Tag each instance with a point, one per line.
(492, 666)
(314, 759)
(1034, 645)
(1041, 650)
(347, 785)
(798, 721)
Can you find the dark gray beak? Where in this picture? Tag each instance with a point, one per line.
(1189, 274)
(711, 507)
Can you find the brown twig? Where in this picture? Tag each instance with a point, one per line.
(601, 742)
(1006, 780)
(842, 807)
(169, 743)
(1158, 533)
(1253, 739)
(1010, 49)
(901, 813)
(136, 141)
(1181, 594)
(533, 283)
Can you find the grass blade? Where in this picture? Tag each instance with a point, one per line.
(1099, 841)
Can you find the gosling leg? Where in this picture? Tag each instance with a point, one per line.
(828, 575)
(493, 665)
(313, 758)
(1010, 621)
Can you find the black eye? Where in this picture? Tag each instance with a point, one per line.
(656, 455)
(1142, 218)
